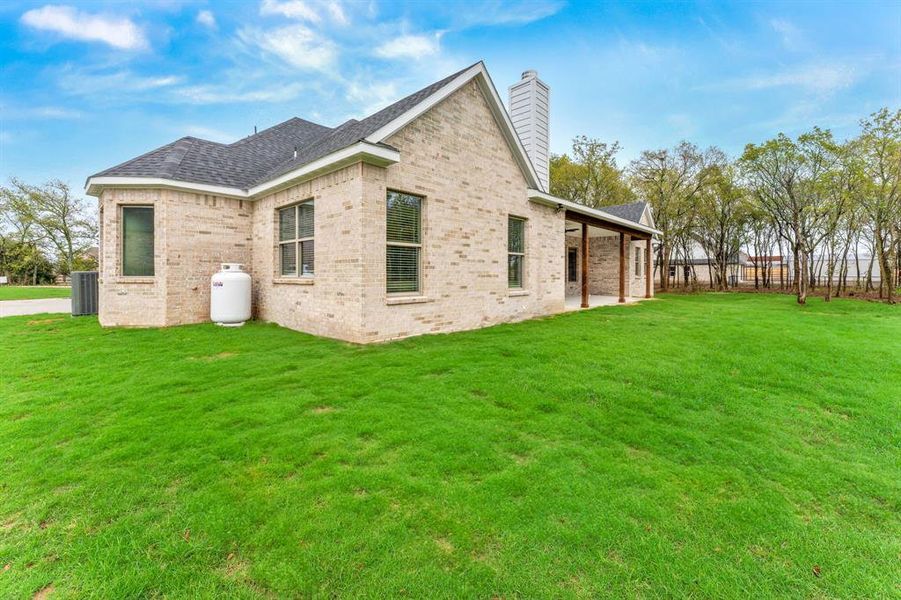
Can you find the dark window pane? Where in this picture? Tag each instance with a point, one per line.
(137, 241)
(572, 265)
(288, 258)
(306, 220)
(516, 235)
(287, 223)
(403, 269)
(404, 218)
(307, 257)
(514, 270)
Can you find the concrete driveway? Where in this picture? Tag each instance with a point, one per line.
(9, 308)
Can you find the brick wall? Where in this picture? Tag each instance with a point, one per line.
(603, 267)
(330, 303)
(193, 234)
(457, 159)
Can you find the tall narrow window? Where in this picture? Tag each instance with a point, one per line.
(638, 262)
(516, 251)
(137, 241)
(297, 252)
(572, 265)
(404, 241)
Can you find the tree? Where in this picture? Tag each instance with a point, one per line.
(591, 176)
(670, 180)
(23, 262)
(721, 217)
(880, 147)
(53, 216)
(786, 178)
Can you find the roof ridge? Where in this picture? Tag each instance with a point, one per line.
(277, 126)
(177, 154)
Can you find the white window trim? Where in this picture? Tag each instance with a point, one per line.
(298, 259)
(522, 278)
(417, 293)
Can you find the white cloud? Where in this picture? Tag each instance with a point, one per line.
(305, 10)
(816, 78)
(85, 82)
(792, 37)
(410, 46)
(336, 11)
(372, 95)
(292, 9)
(297, 45)
(220, 94)
(207, 19)
(118, 32)
(503, 12)
(41, 112)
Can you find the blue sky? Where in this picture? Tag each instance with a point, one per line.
(87, 85)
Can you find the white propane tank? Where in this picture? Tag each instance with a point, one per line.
(230, 296)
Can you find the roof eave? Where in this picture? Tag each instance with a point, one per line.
(362, 151)
(540, 197)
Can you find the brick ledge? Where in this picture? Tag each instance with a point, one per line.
(391, 301)
(294, 281)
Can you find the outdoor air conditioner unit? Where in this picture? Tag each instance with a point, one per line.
(84, 293)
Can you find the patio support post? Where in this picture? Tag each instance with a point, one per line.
(584, 265)
(648, 272)
(622, 267)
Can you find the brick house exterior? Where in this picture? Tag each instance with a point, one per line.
(452, 145)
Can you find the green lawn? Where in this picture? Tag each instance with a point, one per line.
(33, 292)
(701, 446)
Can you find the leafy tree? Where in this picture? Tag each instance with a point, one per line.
(51, 215)
(23, 262)
(590, 176)
(880, 148)
(786, 178)
(720, 220)
(671, 181)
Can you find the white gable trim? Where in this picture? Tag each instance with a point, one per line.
(480, 74)
(361, 151)
(647, 211)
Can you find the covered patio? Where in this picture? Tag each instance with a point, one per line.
(608, 259)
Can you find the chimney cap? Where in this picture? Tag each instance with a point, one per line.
(530, 74)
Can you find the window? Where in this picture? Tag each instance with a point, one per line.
(404, 237)
(516, 250)
(638, 262)
(297, 254)
(572, 265)
(137, 241)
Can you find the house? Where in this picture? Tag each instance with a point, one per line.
(431, 215)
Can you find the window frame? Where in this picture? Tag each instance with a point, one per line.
(121, 269)
(572, 268)
(296, 240)
(638, 261)
(418, 246)
(522, 255)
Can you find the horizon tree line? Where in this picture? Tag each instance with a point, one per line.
(812, 200)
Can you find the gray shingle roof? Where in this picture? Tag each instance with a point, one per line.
(263, 156)
(631, 211)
